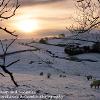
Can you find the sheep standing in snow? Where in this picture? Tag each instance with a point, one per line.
(41, 74)
(95, 83)
(48, 75)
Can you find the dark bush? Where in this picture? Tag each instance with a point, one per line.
(61, 35)
(61, 45)
(73, 51)
(96, 47)
(38, 91)
(86, 49)
(44, 41)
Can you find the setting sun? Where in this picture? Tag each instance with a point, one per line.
(27, 25)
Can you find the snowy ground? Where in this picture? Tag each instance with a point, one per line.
(51, 59)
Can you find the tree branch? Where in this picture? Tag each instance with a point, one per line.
(12, 63)
(10, 44)
(99, 1)
(2, 46)
(10, 74)
(93, 25)
(2, 74)
(2, 3)
(13, 13)
(11, 33)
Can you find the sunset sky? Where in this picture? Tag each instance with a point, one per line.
(34, 16)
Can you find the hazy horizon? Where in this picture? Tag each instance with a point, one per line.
(35, 16)
(40, 15)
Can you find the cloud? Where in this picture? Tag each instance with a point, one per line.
(37, 2)
(51, 18)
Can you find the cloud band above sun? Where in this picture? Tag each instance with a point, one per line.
(32, 18)
(37, 2)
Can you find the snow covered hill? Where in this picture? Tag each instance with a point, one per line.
(73, 85)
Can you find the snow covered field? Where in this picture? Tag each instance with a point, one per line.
(51, 59)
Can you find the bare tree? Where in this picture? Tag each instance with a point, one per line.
(99, 1)
(7, 10)
(4, 65)
(88, 17)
